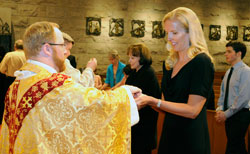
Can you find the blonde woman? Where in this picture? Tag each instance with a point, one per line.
(114, 72)
(186, 86)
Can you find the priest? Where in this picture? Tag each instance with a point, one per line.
(47, 112)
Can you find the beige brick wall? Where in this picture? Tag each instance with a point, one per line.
(71, 16)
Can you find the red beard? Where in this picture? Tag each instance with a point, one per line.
(59, 62)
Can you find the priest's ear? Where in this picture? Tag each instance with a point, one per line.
(47, 50)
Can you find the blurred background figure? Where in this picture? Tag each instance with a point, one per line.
(86, 78)
(126, 71)
(143, 76)
(11, 62)
(69, 42)
(114, 72)
(98, 81)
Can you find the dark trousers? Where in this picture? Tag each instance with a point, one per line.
(236, 128)
(5, 82)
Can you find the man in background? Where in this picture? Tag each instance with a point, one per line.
(11, 62)
(233, 103)
(86, 78)
(69, 42)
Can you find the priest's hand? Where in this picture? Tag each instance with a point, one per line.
(92, 63)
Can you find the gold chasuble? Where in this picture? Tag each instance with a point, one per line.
(50, 114)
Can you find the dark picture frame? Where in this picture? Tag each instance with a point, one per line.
(214, 32)
(138, 28)
(232, 33)
(93, 26)
(246, 33)
(116, 27)
(157, 30)
(4, 28)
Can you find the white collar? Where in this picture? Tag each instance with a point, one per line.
(45, 66)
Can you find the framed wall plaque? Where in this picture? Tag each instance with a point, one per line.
(157, 30)
(246, 33)
(232, 33)
(215, 32)
(116, 27)
(138, 28)
(5, 21)
(4, 28)
(93, 26)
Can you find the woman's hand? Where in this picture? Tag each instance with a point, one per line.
(136, 92)
(143, 100)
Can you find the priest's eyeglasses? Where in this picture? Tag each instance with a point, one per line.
(61, 44)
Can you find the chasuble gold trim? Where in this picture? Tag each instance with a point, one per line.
(14, 116)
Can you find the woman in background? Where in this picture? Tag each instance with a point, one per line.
(98, 80)
(126, 71)
(114, 72)
(143, 76)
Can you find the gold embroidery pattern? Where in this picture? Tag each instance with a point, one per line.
(34, 88)
(60, 112)
(38, 95)
(92, 146)
(14, 117)
(10, 116)
(92, 118)
(44, 86)
(57, 140)
(120, 143)
(95, 125)
(27, 102)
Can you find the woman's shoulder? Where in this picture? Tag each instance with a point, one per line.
(151, 69)
(122, 64)
(110, 66)
(148, 71)
(202, 61)
(202, 58)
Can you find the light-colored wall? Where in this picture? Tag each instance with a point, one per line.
(71, 16)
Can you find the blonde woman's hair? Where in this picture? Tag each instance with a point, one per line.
(114, 54)
(36, 35)
(191, 24)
